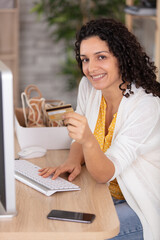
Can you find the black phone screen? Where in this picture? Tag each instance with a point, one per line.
(71, 216)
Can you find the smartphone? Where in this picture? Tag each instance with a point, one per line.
(71, 216)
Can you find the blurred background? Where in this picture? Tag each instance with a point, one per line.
(37, 40)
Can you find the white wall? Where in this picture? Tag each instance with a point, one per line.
(145, 29)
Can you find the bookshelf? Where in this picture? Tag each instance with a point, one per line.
(129, 23)
(9, 41)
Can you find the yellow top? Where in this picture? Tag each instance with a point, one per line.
(105, 142)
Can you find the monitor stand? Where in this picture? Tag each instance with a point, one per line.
(4, 214)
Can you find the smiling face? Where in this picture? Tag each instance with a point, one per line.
(99, 65)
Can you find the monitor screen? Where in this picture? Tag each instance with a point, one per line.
(7, 179)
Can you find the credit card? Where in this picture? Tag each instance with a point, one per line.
(56, 113)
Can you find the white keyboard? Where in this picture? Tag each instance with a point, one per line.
(27, 173)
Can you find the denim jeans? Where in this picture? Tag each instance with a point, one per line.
(130, 225)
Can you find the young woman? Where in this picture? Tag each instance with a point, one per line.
(116, 126)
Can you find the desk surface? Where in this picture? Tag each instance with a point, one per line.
(33, 207)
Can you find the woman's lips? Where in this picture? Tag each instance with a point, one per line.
(98, 77)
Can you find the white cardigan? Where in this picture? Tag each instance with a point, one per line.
(135, 150)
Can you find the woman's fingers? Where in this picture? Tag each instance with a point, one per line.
(73, 170)
(74, 174)
(58, 172)
(72, 115)
(77, 126)
(72, 122)
(46, 172)
(73, 119)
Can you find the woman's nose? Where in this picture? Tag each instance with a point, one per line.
(92, 66)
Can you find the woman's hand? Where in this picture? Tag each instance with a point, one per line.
(73, 168)
(78, 127)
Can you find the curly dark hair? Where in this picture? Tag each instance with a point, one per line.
(134, 64)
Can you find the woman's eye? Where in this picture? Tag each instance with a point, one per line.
(102, 57)
(84, 60)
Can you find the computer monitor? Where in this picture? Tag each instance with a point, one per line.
(7, 180)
